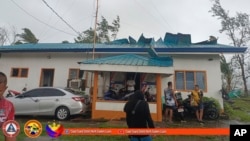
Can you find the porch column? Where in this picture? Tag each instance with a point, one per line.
(158, 97)
(94, 95)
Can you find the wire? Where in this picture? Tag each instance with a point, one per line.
(60, 17)
(41, 21)
(88, 18)
(46, 30)
(162, 17)
(145, 9)
(129, 24)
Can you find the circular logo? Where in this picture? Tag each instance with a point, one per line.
(11, 128)
(33, 128)
(54, 129)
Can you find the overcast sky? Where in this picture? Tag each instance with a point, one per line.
(153, 18)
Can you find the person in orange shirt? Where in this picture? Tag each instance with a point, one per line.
(196, 97)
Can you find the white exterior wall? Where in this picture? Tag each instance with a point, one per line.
(35, 62)
(201, 62)
(62, 62)
(119, 106)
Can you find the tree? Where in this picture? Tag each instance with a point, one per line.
(229, 76)
(115, 28)
(104, 32)
(3, 36)
(86, 36)
(65, 42)
(7, 36)
(237, 28)
(27, 37)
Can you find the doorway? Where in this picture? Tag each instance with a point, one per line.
(47, 77)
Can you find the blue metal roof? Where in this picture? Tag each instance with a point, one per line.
(132, 60)
(172, 43)
(124, 48)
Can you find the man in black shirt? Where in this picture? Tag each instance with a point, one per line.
(138, 115)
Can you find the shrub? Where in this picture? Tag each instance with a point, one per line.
(227, 108)
(217, 104)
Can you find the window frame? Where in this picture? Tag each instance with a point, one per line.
(195, 79)
(19, 75)
(78, 71)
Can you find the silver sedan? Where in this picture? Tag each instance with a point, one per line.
(50, 101)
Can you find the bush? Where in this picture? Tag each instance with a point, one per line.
(227, 108)
(217, 104)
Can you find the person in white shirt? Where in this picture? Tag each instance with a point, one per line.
(131, 85)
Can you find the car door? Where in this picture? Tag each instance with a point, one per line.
(26, 103)
(49, 101)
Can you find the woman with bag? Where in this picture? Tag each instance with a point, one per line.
(138, 115)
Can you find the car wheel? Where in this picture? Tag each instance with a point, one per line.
(62, 113)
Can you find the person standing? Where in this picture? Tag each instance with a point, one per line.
(196, 98)
(6, 107)
(138, 116)
(131, 85)
(170, 102)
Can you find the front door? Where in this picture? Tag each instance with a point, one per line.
(47, 78)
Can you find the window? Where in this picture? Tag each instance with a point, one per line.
(19, 72)
(75, 74)
(24, 72)
(52, 92)
(32, 93)
(190, 80)
(185, 80)
(179, 83)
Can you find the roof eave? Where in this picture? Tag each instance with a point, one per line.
(137, 50)
(127, 68)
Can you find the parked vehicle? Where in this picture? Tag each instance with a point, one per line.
(12, 93)
(185, 110)
(15, 93)
(50, 101)
(122, 94)
(210, 110)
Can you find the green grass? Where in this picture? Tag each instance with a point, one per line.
(238, 109)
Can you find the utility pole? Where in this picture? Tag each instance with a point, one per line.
(94, 42)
